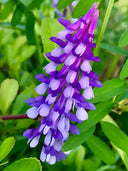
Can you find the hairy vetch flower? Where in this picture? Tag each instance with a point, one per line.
(65, 105)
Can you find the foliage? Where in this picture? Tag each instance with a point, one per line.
(25, 29)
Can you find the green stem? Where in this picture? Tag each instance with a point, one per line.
(113, 66)
(103, 27)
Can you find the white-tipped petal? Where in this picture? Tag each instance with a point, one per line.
(71, 76)
(68, 47)
(80, 49)
(58, 145)
(50, 67)
(61, 124)
(88, 93)
(54, 84)
(57, 52)
(70, 60)
(41, 88)
(35, 141)
(81, 114)
(44, 111)
(68, 92)
(52, 160)
(46, 129)
(47, 139)
(62, 34)
(85, 66)
(32, 112)
(68, 105)
(84, 82)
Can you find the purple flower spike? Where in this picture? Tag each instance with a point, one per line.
(63, 87)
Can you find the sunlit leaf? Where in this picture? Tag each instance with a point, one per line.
(115, 135)
(49, 28)
(124, 39)
(8, 91)
(20, 100)
(110, 89)
(100, 149)
(64, 3)
(6, 147)
(28, 164)
(124, 71)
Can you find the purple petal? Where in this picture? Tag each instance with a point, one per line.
(74, 129)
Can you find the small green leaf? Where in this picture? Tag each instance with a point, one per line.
(49, 28)
(26, 3)
(28, 164)
(114, 49)
(64, 3)
(82, 8)
(124, 39)
(100, 149)
(123, 155)
(17, 15)
(89, 165)
(94, 116)
(115, 135)
(124, 71)
(80, 154)
(76, 140)
(6, 147)
(30, 32)
(7, 9)
(20, 100)
(110, 89)
(8, 91)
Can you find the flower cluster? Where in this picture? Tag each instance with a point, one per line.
(68, 90)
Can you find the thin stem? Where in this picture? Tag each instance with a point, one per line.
(11, 117)
(103, 27)
(113, 66)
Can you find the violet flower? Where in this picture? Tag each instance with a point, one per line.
(64, 86)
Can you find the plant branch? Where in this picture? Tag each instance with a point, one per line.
(11, 117)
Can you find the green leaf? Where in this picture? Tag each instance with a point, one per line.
(20, 100)
(100, 149)
(17, 15)
(124, 39)
(8, 91)
(89, 165)
(7, 9)
(123, 156)
(115, 135)
(87, 127)
(80, 154)
(124, 71)
(28, 164)
(49, 28)
(30, 33)
(114, 49)
(110, 89)
(26, 52)
(82, 8)
(64, 3)
(26, 3)
(6, 147)
(94, 116)
(76, 140)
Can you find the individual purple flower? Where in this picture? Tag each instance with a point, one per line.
(63, 87)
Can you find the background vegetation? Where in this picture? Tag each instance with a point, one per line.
(25, 29)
